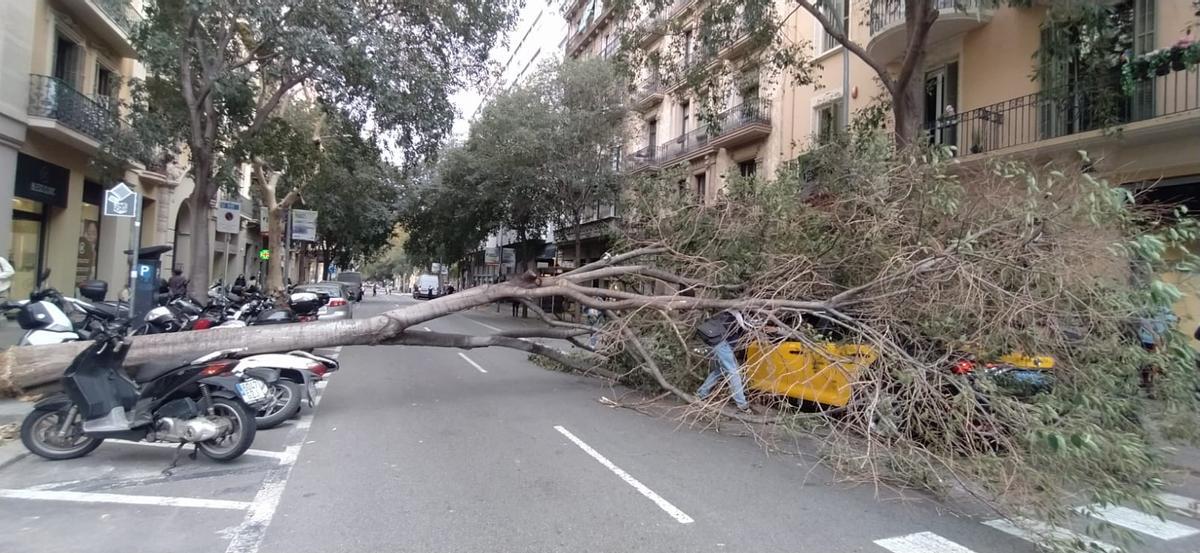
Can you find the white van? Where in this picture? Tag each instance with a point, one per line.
(428, 287)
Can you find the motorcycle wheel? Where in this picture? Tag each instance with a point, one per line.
(284, 404)
(232, 445)
(39, 427)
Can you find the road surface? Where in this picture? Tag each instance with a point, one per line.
(440, 450)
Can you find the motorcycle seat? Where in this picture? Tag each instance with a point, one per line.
(102, 310)
(150, 370)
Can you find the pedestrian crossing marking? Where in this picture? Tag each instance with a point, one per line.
(1139, 521)
(1039, 532)
(921, 542)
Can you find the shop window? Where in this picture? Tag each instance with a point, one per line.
(28, 234)
(88, 253)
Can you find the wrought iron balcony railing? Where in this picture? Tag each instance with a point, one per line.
(1064, 111)
(885, 13)
(641, 159)
(53, 98)
(749, 112)
(121, 12)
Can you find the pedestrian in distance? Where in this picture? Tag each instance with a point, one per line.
(6, 275)
(177, 286)
(720, 332)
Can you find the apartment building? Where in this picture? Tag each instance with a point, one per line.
(979, 96)
(65, 68)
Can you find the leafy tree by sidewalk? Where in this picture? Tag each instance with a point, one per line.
(219, 70)
(542, 153)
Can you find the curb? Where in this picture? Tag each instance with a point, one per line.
(11, 453)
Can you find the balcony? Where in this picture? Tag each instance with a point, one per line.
(888, 35)
(744, 123)
(649, 94)
(587, 32)
(641, 160)
(1166, 103)
(686, 146)
(111, 20)
(67, 115)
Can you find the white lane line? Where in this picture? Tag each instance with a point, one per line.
(473, 364)
(426, 329)
(1038, 533)
(484, 325)
(921, 542)
(1139, 521)
(248, 535)
(168, 445)
(1185, 506)
(663, 504)
(84, 497)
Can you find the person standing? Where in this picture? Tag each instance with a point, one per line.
(721, 332)
(6, 274)
(178, 284)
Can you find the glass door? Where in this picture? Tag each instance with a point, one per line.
(28, 229)
(941, 105)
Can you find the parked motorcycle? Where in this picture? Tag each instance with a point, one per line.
(189, 402)
(291, 379)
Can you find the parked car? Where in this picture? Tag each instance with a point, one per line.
(427, 287)
(339, 306)
(354, 281)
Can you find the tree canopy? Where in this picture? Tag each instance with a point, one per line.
(218, 71)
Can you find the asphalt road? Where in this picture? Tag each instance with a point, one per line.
(439, 450)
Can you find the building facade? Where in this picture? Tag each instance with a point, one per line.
(979, 95)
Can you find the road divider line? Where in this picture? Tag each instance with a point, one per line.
(1185, 506)
(473, 364)
(169, 445)
(663, 504)
(1037, 532)
(921, 542)
(426, 329)
(484, 325)
(87, 497)
(1139, 521)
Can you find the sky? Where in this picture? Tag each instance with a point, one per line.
(537, 36)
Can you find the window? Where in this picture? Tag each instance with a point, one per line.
(652, 133)
(68, 62)
(687, 48)
(748, 168)
(1143, 26)
(828, 120)
(685, 114)
(700, 186)
(106, 85)
(837, 11)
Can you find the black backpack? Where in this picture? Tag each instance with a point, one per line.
(714, 330)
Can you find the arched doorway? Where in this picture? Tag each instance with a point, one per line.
(183, 238)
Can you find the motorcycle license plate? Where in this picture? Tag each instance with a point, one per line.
(252, 390)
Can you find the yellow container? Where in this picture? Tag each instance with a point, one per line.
(1023, 361)
(822, 374)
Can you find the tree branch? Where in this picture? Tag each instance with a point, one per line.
(264, 111)
(839, 35)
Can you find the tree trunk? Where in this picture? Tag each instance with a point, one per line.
(908, 111)
(201, 261)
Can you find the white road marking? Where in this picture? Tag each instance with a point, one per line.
(84, 497)
(169, 445)
(473, 364)
(1139, 521)
(663, 504)
(1037, 532)
(426, 329)
(248, 535)
(484, 325)
(1185, 506)
(921, 542)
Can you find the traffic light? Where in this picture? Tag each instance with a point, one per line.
(264, 254)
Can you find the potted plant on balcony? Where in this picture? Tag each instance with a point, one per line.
(977, 141)
(1184, 53)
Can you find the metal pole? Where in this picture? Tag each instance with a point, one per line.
(845, 87)
(228, 246)
(134, 243)
(287, 248)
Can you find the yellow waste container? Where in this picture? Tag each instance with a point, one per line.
(822, 374)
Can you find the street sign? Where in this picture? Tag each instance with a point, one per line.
(121, 201)
(304, 225)
(229, 217)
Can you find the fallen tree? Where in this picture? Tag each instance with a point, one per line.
(925, 262)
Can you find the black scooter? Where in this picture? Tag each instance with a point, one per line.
(191, 402)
